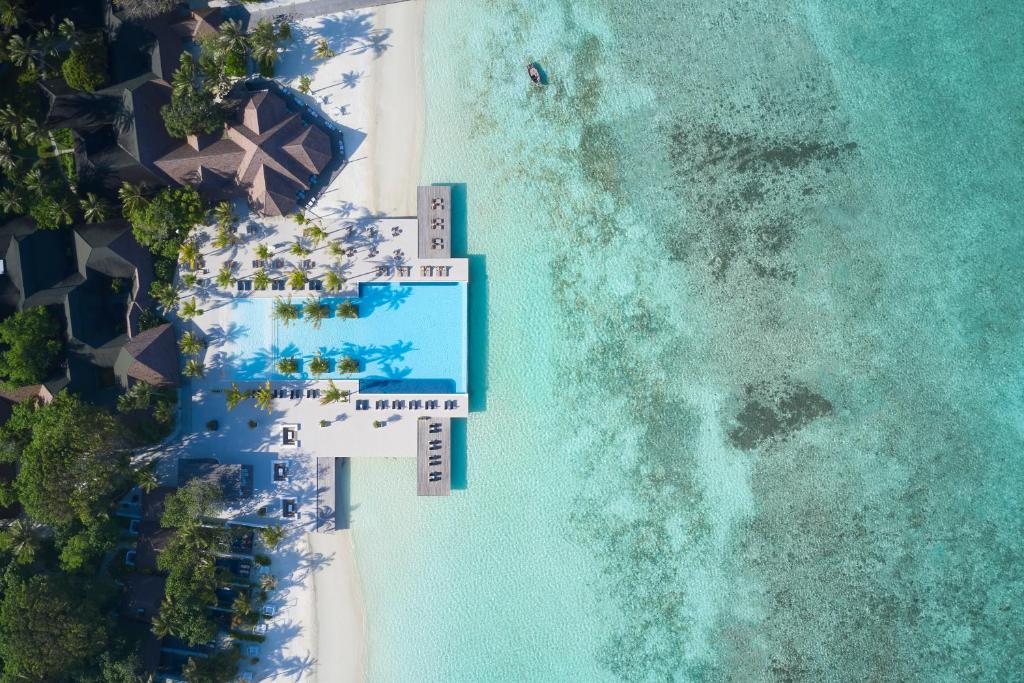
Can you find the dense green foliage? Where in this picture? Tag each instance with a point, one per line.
(69, 465)
(85, 67)
(31, 344)
(144, 9)
(189, 561)
(51, 628)
(163, 222)
(190, 113)
(187, 507)
(347, 309)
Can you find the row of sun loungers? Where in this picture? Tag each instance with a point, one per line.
(435, 271)
(401, 404)
(294, 393)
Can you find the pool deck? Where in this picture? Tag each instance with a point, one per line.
(377, 249)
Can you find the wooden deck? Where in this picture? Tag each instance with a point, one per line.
(433, 456)
(434, 218)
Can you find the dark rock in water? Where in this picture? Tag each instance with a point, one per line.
(775, 412)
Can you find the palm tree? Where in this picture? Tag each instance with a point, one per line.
(297, 249)
(164, 294)
(231, 36)
(348, 364)
(194, 368)
(34, 180)
(224, 213)
(11, 14)
(264, 397)
(63, 210)
(94, 209)
(271, 535)
(190, 309)
(10, 121)
(268, 582)
(300, 218)
(319, 365)
(332, 394)
(243, 610)
(21, 539)
(225, 276)
(234, 396)
(21, 51)
(146, 479)
(11, 201)
(323, 50)
(284, 31)
(304, 84)
(315, 234)
(191, 343)
(8, 159)
(288, 366)
(315, 312)
(284, 311)
(161, 625)
(347, 309)
(183, 81)
(224, 238)
(189, 253)
(333, 282)
(336, 249)
(31, 132)
(263, 252)
(137, 397)
(263, 44)
(132, 198)
(297, 279)
(260, 279)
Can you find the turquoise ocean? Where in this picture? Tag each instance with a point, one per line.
(747, 348)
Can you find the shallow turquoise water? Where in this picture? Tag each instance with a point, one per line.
(404, 333)
(752, 357)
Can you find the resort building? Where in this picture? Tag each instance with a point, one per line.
(269, 153)
(389, 349)
(272, 151)
(95, 279)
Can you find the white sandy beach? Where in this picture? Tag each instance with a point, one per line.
(372, 87)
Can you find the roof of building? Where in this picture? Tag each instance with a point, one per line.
(150, 356)
(269, 152)
(234, 480)
(142, 596)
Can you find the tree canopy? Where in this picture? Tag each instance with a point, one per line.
(187, 506)
(51, 628)
(30, 346)
(163, 222)
(144, 9)
(69, 468)
(191, 111)
(85, 67)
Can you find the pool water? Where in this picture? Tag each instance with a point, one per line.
(408, 337)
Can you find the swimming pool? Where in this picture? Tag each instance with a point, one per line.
(409, 338)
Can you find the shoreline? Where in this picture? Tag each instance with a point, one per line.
(380, 178)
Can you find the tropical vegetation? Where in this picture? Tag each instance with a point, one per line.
(315, 311)
(30, 345)
(332, 394)
(347, 309)
(285, 311)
